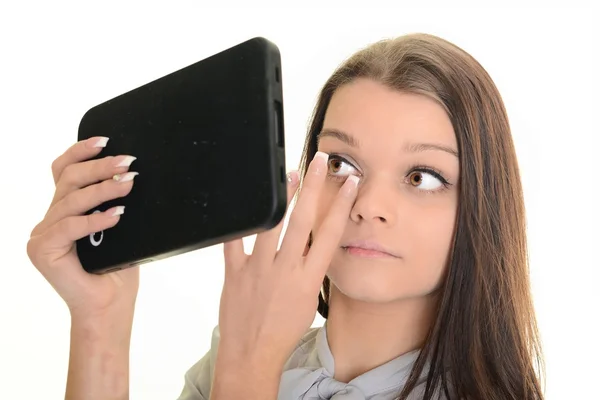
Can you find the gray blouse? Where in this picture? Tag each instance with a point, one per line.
(308, 375)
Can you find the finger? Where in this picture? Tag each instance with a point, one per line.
(83, 200)
(80, 151)
(68, 230)
(81, 175)
(265, 246)
(327, 239)
(303, 216)
(234, 254)
(306, 247)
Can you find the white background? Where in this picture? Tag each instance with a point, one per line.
(58, 60)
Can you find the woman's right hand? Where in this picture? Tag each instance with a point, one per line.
(82, 184)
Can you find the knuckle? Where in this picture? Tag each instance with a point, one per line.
(36, 229)
(56, 167)
(32, 249)
(89, 221)
(68, 174)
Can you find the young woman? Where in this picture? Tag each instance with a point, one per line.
(408, 236)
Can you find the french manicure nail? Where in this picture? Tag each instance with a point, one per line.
(353, 180)
(349, 189)
(118, 210)
(101, 142)
(321, 164)
(126, 177)
(322, 155)
(126, 162)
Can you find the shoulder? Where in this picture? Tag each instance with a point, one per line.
(198, 378)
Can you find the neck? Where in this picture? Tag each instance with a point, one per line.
(363, 336)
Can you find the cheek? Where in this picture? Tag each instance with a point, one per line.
(431, 240)
(433, 232)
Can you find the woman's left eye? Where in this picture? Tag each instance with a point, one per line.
(425, 179)
(339, 167)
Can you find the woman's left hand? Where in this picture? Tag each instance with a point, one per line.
(270, 297)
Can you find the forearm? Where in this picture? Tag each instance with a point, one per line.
(99, 360)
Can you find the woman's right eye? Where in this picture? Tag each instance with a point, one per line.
(338, 167)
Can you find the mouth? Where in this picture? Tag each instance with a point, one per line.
(367, 250)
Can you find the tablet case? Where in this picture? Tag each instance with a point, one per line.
(209, 142)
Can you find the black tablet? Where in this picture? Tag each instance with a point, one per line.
(209, 142)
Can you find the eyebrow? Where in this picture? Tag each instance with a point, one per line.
(411, 147)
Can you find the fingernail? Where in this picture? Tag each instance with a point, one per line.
(353, 180)
(126, 177)
(351, 187)
(322, 162)
(118, 210)
(322, 155)
(293, 177)
(126, 161)
(100, 142)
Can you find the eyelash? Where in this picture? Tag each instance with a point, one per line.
(432, 171)
(414, 168)
(342, 159)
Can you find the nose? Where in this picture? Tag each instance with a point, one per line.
(376, 202)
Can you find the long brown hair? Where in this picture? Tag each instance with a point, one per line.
(484, 343)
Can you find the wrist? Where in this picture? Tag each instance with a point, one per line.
(106, 334)
(99, 359)
(108, 323)
(253, 376)
(263, 363)
(264, 354)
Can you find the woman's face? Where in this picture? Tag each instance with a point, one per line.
(404, 149)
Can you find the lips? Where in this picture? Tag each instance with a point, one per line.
(370, 249)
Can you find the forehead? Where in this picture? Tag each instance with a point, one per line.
(372, 112)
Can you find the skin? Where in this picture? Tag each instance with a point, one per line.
(275, 290)
(101, 307)
(381, 308)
